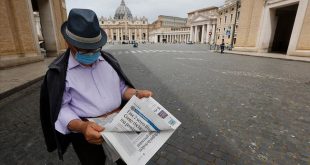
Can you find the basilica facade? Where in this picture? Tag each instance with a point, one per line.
(124, 28)
(203, 24)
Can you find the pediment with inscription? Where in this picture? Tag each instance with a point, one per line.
(199, 18)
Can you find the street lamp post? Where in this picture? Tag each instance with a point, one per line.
(234, 26)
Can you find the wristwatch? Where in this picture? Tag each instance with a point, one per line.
(136, 92)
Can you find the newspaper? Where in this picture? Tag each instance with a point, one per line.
(138, 131)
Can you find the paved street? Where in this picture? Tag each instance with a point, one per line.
(234, 109)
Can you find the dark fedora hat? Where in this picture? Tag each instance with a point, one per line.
(82, 30)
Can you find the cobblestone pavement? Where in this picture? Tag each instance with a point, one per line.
(234, 109)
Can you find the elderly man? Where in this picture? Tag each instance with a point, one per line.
(83, 82)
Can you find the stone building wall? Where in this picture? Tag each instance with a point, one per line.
(60, 16)
(16, 31)
(225, 30)
(19, 42)
(304, 38)
(259, 21)
(249, 23)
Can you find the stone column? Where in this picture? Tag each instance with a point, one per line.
(122, 34)
(203, 35)
(129, 34)
(48, 23)
(196, 34)
(213, 34)
(140, 34)
(117, 34)
(146, 35)
(136, 36)
(208, 30)
(191, 33)
(112, 34)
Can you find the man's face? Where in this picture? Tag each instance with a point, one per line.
(82, 51)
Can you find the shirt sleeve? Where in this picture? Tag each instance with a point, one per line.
(123, 87)
(66, 114)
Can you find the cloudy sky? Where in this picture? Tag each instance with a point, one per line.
(149, 8)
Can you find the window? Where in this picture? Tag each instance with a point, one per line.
(231, 17)
(238, 15)
(225, 19)
(220, 20)
(228, 36)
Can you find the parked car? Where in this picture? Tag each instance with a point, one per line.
(189, 42)
(135, 45)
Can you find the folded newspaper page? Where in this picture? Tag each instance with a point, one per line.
(138, 131)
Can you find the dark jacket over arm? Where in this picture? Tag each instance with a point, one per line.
(52, 90)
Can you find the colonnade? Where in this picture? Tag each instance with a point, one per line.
(203, 33)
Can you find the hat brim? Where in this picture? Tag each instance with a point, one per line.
(84, 45)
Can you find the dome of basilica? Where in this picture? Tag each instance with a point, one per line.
(122, 11)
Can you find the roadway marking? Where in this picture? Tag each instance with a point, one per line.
(191, 59)
(157, 51)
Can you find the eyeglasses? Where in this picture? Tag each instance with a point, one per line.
(86, 51)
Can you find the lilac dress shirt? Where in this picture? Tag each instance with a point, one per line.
(90, 92)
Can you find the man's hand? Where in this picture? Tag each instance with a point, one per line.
(139, 93)
(91, 132)
(143, 93)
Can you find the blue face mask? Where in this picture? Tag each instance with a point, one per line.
(87, 58)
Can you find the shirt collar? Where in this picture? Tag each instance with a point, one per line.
(72, 63)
